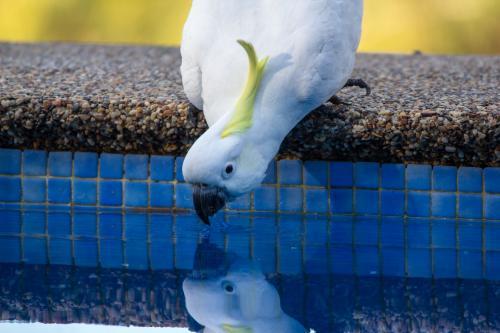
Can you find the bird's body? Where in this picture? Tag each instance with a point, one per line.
(311, 45)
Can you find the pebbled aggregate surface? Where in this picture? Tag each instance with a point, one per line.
(129, 99)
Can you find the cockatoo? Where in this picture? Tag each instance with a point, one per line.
(229, 294)
(256, 68)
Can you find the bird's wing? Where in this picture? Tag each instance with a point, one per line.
(191, 51)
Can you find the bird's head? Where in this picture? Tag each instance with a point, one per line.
(226, 162)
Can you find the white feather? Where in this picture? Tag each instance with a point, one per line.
(311, 45)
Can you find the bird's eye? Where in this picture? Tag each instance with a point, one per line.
(228, 170)
(228, 287)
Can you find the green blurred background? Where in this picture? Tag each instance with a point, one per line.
(433, 26)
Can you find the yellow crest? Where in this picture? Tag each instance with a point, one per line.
(236, 329)
(243, 114)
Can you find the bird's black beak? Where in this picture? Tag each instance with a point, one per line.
(208, 201)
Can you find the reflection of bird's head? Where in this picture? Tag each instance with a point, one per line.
(236, 299)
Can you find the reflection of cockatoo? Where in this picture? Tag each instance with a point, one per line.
(293, 56)
(231, 295)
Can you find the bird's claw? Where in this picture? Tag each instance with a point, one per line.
(360, 84)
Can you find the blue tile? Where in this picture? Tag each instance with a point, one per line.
(444, 234)
(270, 177)
(110, 193)
(341, 174)
(60, 164)
(492, 236)
(34, 163)
(10, 161)
(419, 263)
(161, 226)
(10, 249)
(136, 226)
(392, 232)
(239, 243)
(393, 261)
(162, 168)
(367, 260)
(315, 259)
(179, 161)
(470, 179)
(493, 265)
(492, 180)
(111, 253)
(419, 204)
(470, 235)
(444, 204)
(492, 207)
(290, 260)
(341, 230)
(34, 190)
(84, 192)
(184, 196)
(393, 176)
(316, 230)
(162, 195)
(10, 222)
(10, 189)
(185, 243)
(393, 202)
(60, 251)
(136, 167)
(35, 250)
(366, 230)
(136, 194)
(418, 177)
(59, 224)
(59, 190)
(366, 174)
(470, 206)
(444, 178)
(162, 255)
(85, 253)
(470, 264)
(341, 201)
(84, 225)
(341, 258)
(316, 173)
(445, 263)
(110, 225)
(265, 198)
(367, 202)
(418, 233)
(85, 165)
(291, 199)
(290, 228)
(240, 203)
(317, 201)
(136, 254)
(34, 222)
(111, 166)
(290, 172)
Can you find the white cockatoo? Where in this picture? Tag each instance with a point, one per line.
(230, 294)
(256, 68)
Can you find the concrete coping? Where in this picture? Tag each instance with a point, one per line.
(129, 99)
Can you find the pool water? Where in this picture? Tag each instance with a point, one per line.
(246, 273)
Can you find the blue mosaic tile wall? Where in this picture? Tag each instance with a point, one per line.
(348, 218)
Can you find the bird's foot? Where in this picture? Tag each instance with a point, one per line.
(336, 100)
(360, 84)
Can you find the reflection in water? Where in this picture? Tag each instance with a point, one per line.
(230, 294)
(325, 303)
(217, 283)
